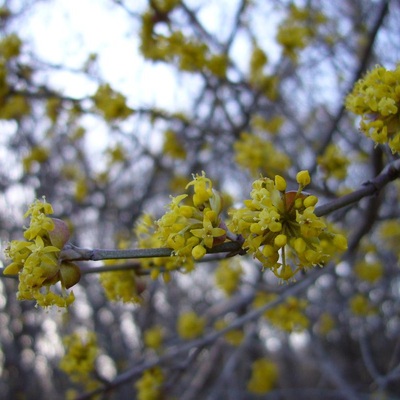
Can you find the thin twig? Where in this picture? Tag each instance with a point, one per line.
(173, 352)
(372, 187)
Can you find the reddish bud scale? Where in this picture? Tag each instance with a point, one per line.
(60, 235)
(292, 196)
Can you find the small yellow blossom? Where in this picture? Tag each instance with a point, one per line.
(259, 156)
(149, 386)
(264, 376)
(234, 336)
(325, 324)
(10, 46)
(361, 306)
(172, 147)
(192, 228)
(333, 162)
(190, 325)
(228, 275)
(148, 237)
(111, 103)
(369, 271)
(298, 30)
(288, 316)
(36, 260)
(153, 337)
(389, 233)
(376, 98)
(280, 226)
(80, 357)
(121, 286)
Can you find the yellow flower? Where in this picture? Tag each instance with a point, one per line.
(280, 226)
(172, 147)
(369, 271)
(192, 228)
(361, 306)
(111, 103)
(190, 325)
(376, 98)
(121, 286)
(149, 386)
(153, 337)
(36, 260)
(264, 375)
(80, 357)
(228, 275)
(208, 232)
(288, 316)
(259, 155)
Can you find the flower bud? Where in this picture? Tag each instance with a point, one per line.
(303, 178)
(280, 183)
(70, 274)
(60, 235)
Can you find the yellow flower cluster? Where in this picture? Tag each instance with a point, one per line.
(80, 357)
(172, 147)
(36, 260)
(111, 103)
(38, 154)
(259, 156)
(325, 324)
(148, 238)
(12, 106)
(153, 337)
(288, 316)
(121, 286)
(264, 376)
(369, 271)
(149, 386)
(187, 53)
(361, 306)
(298, 29)
(389, 233)
(190, 325)
(333, 162)
(279, 226)
(228, 275)
(258, 60)
(234, 336)
(191, 229)
(376, 99)
(271, 125)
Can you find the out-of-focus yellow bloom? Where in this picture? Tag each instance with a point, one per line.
(298, 30)
(259, 156)
(228, 275)
(149, 386)
(190, 325)
(111, 103)
(361, 306)
(376, 98)
(333, 162)
(288, 316)
(79, 360)
(153, 337)
(264, 376)
(389, 233)
(172, 147)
